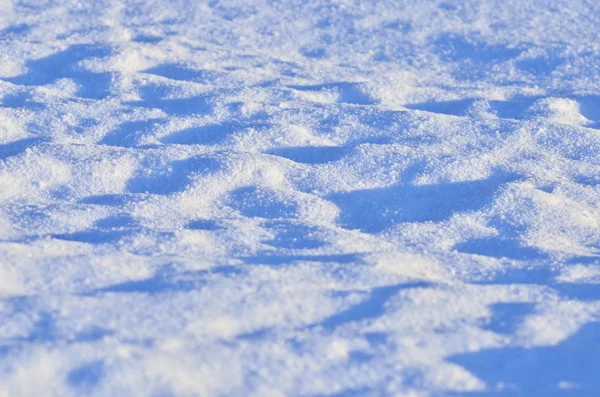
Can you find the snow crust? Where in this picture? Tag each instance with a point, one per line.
(299, 198)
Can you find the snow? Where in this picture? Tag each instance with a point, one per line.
(299, 198)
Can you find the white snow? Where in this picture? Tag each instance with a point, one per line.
(299, 198)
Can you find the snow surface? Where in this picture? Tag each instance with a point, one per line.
(299, 198)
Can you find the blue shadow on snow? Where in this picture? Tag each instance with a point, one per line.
(167, 280)
(372, 307)
(64, 64)
(129, 133)
(374, 210)
(352, 93)
(182, 73)
(86, 376)
(210, 134)
(172, 178)
(568, 369)
(105, 231)
(18, 147)
(156, 97)
(311, 154)
(500, 248)
(266, 258)
(21, 100)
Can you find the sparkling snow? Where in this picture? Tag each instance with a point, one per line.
(299, 198)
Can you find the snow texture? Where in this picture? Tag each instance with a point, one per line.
(299, 198)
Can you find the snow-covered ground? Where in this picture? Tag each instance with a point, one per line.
(299, 198)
